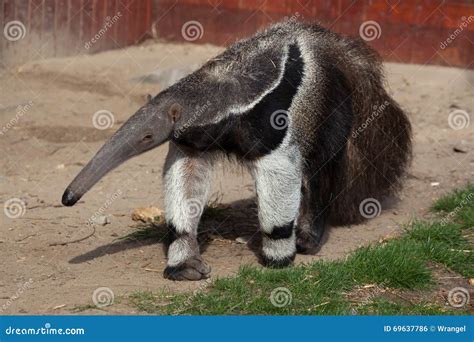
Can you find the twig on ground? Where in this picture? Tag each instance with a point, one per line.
(74, 241)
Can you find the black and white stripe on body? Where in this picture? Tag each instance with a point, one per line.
(266, 148)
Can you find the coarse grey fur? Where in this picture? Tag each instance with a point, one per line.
(302, 107)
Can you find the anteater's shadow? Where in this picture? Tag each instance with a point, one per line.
(236, 220)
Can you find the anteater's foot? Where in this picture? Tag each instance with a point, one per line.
(194, 268)
(307, 243)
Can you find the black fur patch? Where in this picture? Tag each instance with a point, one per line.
(282, 232)
(277, 263)
(251, 135)
(173, 234)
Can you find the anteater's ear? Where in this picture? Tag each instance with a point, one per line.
(148, 98)
(175, 112)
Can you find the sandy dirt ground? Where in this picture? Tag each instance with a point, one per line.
(46, 111)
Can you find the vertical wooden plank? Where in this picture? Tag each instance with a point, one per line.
(49, 33)
(64, 32)
(3, 19)
(88, 26)
(122, 28)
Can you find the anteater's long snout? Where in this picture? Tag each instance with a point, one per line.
(142, 132)
(111, 155)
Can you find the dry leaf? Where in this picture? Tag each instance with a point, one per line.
(150, 214)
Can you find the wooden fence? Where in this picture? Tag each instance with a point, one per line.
(416, 31)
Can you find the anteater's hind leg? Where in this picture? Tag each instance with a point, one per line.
(311, 219)
(278, 182)
(187, 181)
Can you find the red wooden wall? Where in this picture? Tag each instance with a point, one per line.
(410, 30)
(65, 27)
(413, 31)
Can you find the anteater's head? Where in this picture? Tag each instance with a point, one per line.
(149, 127)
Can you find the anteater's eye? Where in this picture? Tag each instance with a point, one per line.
(147, 138)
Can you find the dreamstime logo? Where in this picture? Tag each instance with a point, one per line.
(202, 286)
(370, 30)
(458, 297)
(294, 17)
(464, 25)
(14, 30)
(103, 119)
(280, 297)
(370, 208)
(109, 22)
(458, 119)
(377, 111)
(22, 288)
(103, 296)
(14, 208)
(465, 201)
(193, 207)
(104, 207)
(20, 111)
(279, 119)
(200, 110)
(192, 30)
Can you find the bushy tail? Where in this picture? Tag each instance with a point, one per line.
(379, 147)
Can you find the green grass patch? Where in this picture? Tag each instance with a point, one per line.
(399, 264)
(382, 306)
(458, 197)
(323, 287)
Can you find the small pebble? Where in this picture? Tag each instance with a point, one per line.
(241, 239)
(101, 220)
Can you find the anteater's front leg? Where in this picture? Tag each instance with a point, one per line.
(187, 180)
(278, 184)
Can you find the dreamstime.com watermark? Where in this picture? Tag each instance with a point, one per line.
(376, 112)
(202, 286)
(464, 24)
(293, 17)
(21, 110)
(104, 207)
(46, 330)
(109, 22)
(196, 115)
(22, 288)
(465, 201)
